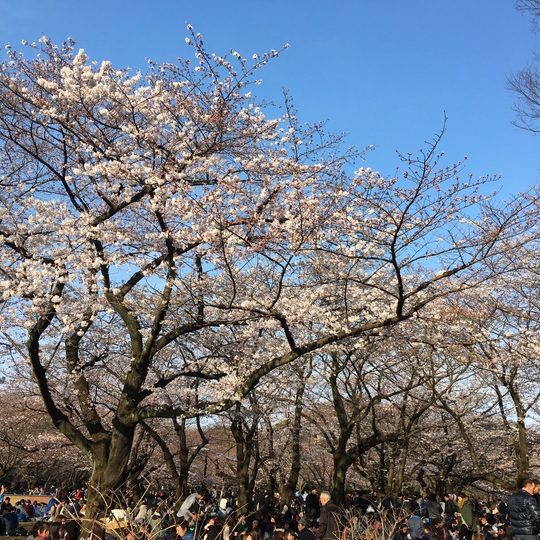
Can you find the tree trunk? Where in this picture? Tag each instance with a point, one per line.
(288, 489)
(520, 444)
(109, 465)
(244, 455)
(342, 463)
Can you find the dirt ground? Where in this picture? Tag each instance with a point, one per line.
(15, 498)
(26, 524)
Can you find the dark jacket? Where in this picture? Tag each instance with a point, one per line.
(524, 513)
(306, 534)
(450, 508)
(313, 508)
(329, 522)
(11, 522)
(401, 535)
(434, 509)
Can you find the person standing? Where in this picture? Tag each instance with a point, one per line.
(434, 508)
(467, 520)
(524, 512)
(329, 521)
(450, 508)
(313, 508)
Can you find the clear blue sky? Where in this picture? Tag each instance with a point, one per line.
(382, 71)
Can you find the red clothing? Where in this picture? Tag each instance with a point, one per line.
(30, 510)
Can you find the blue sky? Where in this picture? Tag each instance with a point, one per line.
(382, 71)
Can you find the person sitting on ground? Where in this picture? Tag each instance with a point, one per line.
(142, 513)
(269, 530)
(229, 527)
(58, 531)
(155, 522)
(416, 525)
(291, 535)
(428, 533)
(11, 521)
(182, 530)
(6, 506)
(489, 532)
(440, 529)
(29, 509)
(43, 531)
(304, 531)
(253, 534)
(254, 527)
(144, 532)
(20, 511)
(213, 529)
(402, 532)
(72, 526)
(486, 519)
(33, 531)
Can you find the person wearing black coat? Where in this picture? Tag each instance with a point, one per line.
(402, 533)
(329, 521)
(313, 507)
(304, 532)
(524, 512)
(11, 521)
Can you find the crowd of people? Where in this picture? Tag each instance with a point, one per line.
(206, 515)
(313, 516)
(57, 519)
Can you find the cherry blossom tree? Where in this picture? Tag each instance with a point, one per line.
(526, 82)
(158, 229)
(32, 451)
(294, 422)
(141, 212)
(505, 354)
(178, 462)
(279, 405)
